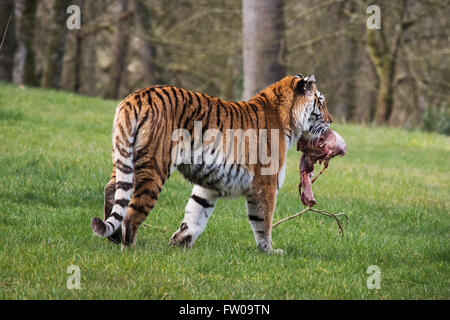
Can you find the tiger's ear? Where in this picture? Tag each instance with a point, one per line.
(305, 84)
(311, 78)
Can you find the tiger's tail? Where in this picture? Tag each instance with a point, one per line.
(123, 141)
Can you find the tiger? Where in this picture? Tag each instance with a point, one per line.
(143, 149)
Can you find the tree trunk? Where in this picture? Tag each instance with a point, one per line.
(120, 47)
(263, 42)
(70, 73)
(87, 70)
(54, 49)
(142, 18)
(350, 59)
(385, 66)
(23, 66)
(350, 68)
(384, 98)
(383, 54)
(8, 46)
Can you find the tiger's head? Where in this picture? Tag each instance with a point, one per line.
(301, 107)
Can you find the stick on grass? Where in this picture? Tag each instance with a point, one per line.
(340, 224)
(163, 229)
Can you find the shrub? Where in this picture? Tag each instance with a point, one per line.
(437, 119)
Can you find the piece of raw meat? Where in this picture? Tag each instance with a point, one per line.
(329, 145)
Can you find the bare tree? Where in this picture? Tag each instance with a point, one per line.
(383, 46)
(71, 64)
(396, 75)
(86, 67)
(142, 18)
(263, 44)
(120, 47)
(24, 18)
(349, 47)
(54, 48)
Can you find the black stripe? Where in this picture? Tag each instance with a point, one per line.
(151, 194)
(144, 150)
(135, 114)
(209, 170)
(255, 218)
(122, 202)
(203, 202)
(255, 110)
(124, 135)
(141, 183)
(141, 123)
(182, 110)
(137, 97)
(161, 98)
(139, 208)
(208, 115)
(149, 97)
(187, 123)
(218, 114)
(197, 98)
(117, 216)
(151, 165)
(123, 167)
(231, 116)
(222, 122)
(240, 115)
(176, 97)
(169, 97)
(123, 185)
(197, 111)
(248, 117)
(122, 152)
(188, 104)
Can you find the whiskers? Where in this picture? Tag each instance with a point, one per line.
(315, 134)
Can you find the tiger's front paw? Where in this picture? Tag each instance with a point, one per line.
(182, 237)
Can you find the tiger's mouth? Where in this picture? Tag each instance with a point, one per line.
(329, 145)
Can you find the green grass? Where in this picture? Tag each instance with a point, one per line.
(55, 160)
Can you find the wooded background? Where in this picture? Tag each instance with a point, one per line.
(397, 75)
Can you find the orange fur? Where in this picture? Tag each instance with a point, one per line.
(144, 123)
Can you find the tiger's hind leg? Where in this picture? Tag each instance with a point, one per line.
(197, 212)
(149, 180)
(110, 190)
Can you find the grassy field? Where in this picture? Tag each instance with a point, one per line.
(55, 160)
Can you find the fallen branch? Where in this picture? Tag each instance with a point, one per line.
(6, 30)
(341, 224)
(163, 229)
